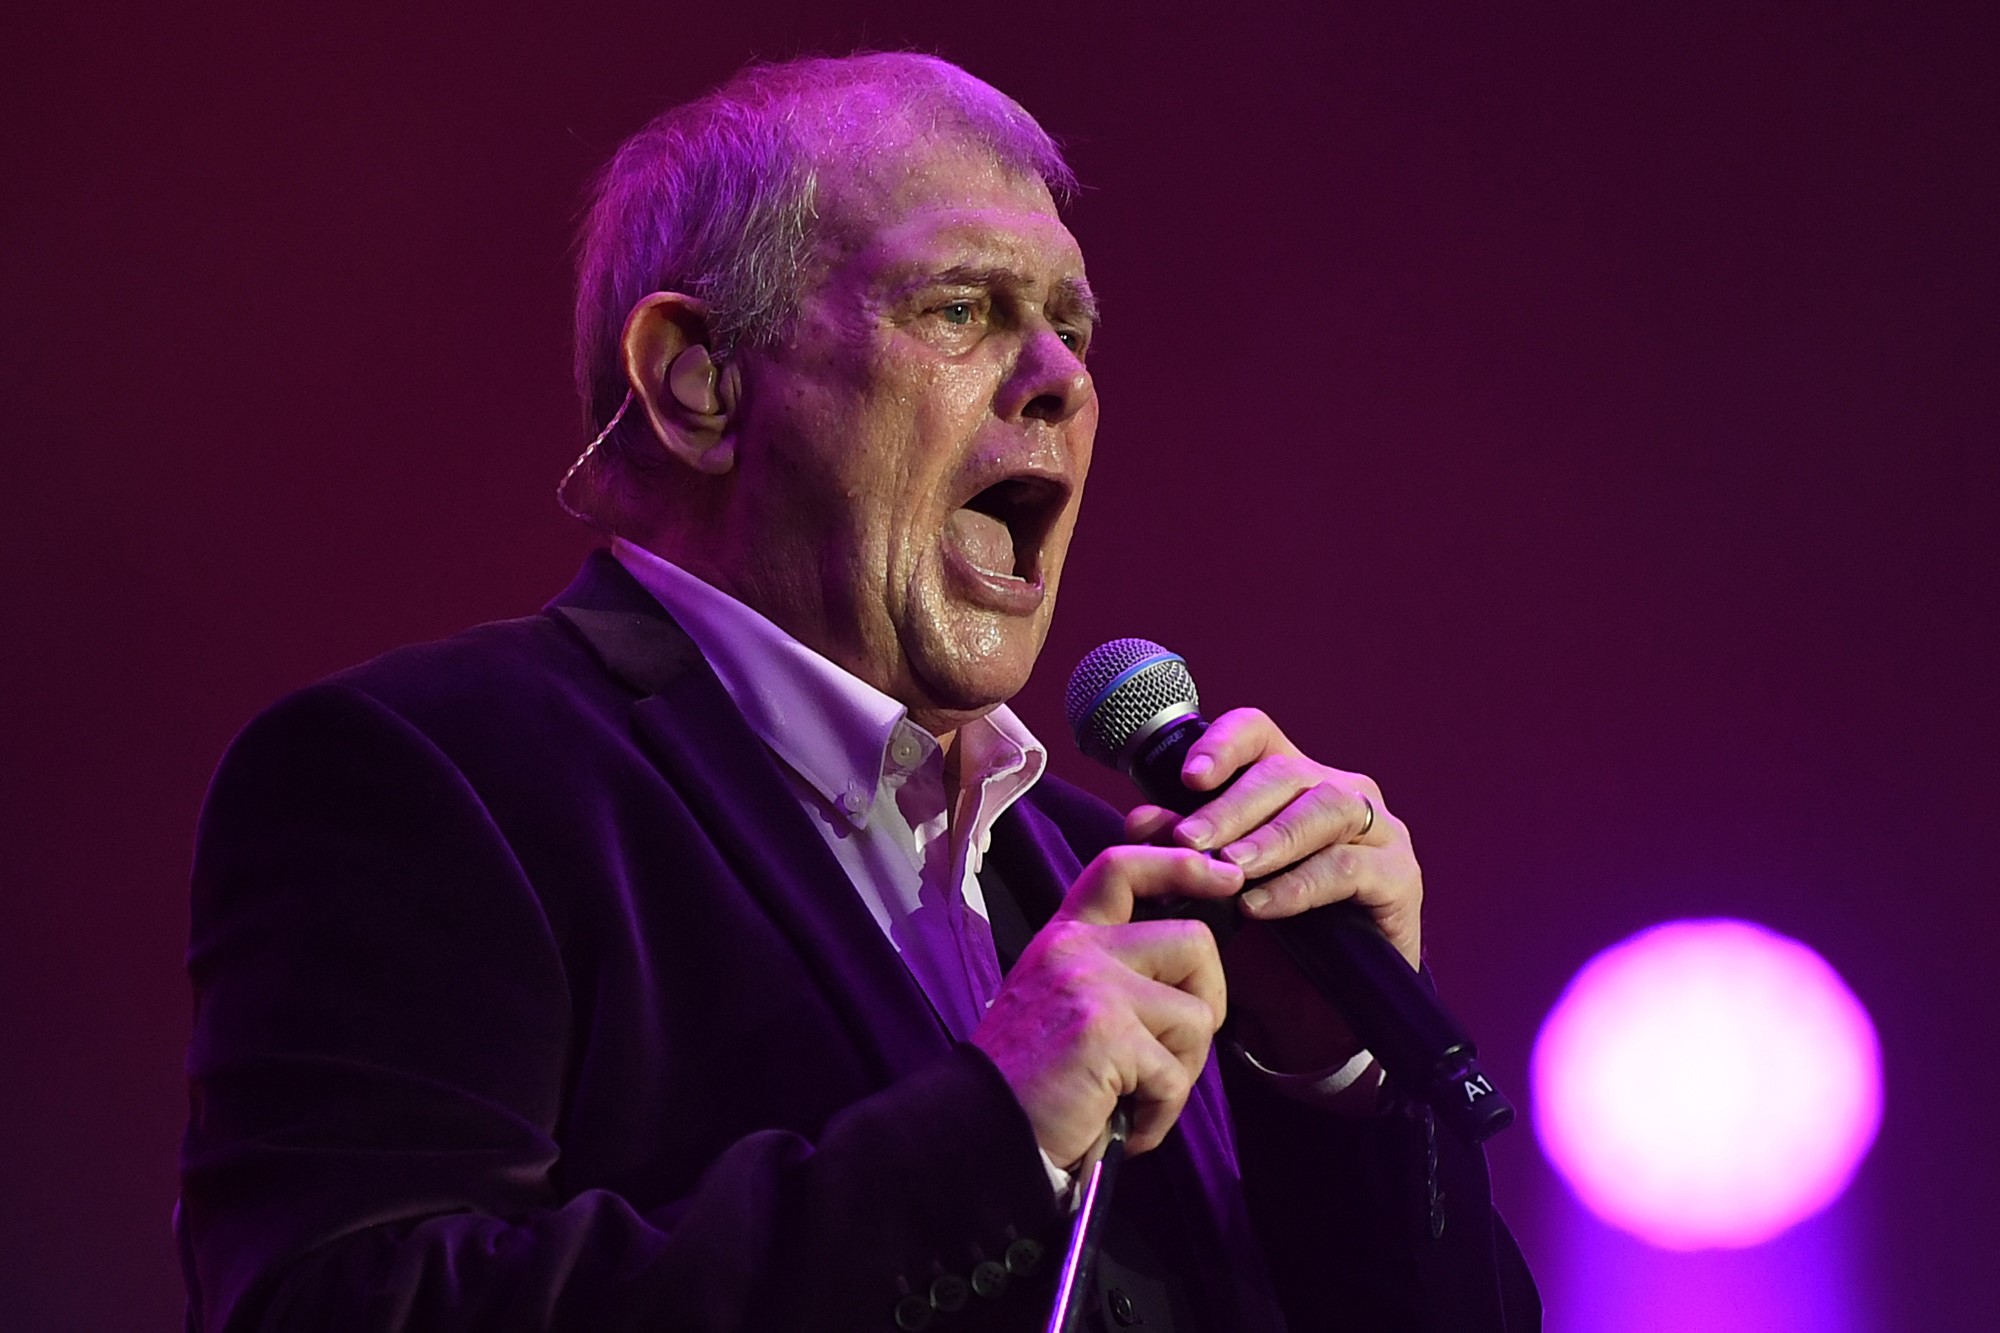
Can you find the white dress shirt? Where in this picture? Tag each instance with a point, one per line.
(873, 783)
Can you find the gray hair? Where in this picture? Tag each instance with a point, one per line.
(716, 198)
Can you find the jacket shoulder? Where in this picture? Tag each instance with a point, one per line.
(478, 700)
(500, 665)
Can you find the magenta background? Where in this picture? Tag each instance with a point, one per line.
(1583, 421)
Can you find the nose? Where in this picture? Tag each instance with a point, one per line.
(1048, 382)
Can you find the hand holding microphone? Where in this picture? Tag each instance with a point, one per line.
(1106, 1017)
(1101, 1007)
(1331, 870)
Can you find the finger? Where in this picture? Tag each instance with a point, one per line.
(1166, 1055)
(1385, 880)
(1258, 793)
(1104, 893)
(1179, 955)
(1161, 1088)
(1323, 815)
(1237, 739)
(1179, 1021)
(1149, 823)
(1183, 1023)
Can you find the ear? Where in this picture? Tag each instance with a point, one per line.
(676, 382)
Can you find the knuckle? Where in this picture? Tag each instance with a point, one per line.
(1072, 967)
(1322, 878)
(1062, 940)
(1101, 1023)
(1175, 1083)
(1327, 798)
(1119, 859)
(1099, 1033)
(1284, 770)
(1307, 885)
(1217, 1013)
(1281, 836)
(1204, 942)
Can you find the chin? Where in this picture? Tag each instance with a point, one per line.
(967, 674)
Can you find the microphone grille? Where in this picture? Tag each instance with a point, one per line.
(1118, 688)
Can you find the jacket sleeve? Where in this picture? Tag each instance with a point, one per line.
(382, 1035)
(1384, 1223)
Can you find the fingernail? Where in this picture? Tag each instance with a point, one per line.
(1195, 832)
(1257, 899)
(1239, 853)
(1197, 767)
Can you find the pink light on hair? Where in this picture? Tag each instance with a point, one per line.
(1707, 1084)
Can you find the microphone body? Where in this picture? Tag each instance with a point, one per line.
(1425, 1051)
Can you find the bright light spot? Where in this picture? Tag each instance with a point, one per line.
(1706, 1084)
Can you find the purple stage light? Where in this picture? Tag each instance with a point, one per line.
(1707, 1084)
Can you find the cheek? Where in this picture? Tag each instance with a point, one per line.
(1083, 436)
(961, 389)
(923, 426)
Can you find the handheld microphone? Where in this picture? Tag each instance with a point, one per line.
(1132, 704)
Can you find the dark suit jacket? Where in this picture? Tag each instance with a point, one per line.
(527, 997)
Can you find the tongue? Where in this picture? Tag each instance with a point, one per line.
(984, 540)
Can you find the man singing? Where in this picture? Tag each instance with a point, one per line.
(711, 951)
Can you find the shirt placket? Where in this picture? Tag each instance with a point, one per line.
(978, 957)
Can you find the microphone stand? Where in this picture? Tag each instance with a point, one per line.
(1067, 1316)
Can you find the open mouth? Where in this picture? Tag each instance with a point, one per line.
(1000, 530)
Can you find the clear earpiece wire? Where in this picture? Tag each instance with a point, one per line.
(562, 487)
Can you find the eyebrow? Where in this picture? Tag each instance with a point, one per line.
(1070, 296)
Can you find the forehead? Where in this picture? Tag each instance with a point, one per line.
(913, 206)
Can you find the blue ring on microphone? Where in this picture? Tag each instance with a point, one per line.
(1091, 708)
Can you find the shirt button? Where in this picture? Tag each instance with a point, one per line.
(913, 1313)
(989, 1279)
(854, 799)
(905, 750)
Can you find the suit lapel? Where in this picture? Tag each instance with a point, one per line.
(731, 783)
(1034, 860)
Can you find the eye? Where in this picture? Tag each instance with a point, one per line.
(1076, 337)
(958, 312)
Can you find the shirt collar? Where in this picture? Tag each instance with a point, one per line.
(841, 735)
(1007, 761)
